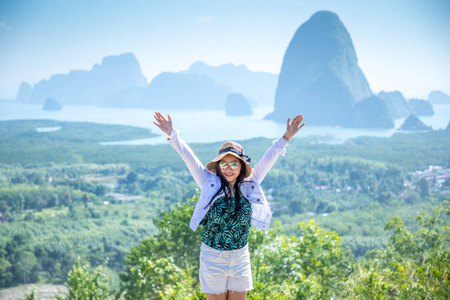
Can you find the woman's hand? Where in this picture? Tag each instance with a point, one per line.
(163, 124)
(293, 127)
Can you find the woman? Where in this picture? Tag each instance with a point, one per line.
(231, 200)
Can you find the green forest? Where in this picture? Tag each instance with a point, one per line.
(366, 219)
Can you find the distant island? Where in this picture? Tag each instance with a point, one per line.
(118, 82)
(81, 87)
(438, 97)
(51, 104)
(237, 105)
(420, 107)
(413, 123)
(259, 86)
(320, 77)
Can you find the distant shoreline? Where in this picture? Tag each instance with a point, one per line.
(206, 126)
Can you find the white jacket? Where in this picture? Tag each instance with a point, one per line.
(209, 183)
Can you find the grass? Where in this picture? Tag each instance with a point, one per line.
(50, 212)
(43, 291)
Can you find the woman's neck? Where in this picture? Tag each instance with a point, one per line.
(231, 191)
(231, 184)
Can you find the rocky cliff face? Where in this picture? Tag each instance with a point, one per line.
(413, 123)
(51, 104)
(90, 87)
(420, 107)
(185, 91)
(320, 76)
(237, 105)
(396, 103)
(259, 86)
(129, 97)
(24, 93)
(438, 97)
(372, 112)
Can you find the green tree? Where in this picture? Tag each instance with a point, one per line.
(101, 190)
(158, 279)
(20, 202)
(412, 198)
(424, 187)
(4, 211)
(145, 276)
(132, 177)
(54, 200)
(412, 265)
(31, 295)
(67, 199)
(305, 267)
(25, 264)
(85, 200)
(6, 277)
(82, 285)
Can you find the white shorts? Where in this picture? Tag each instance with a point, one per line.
(225, 270)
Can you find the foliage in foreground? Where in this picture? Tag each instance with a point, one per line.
(84, 285)
(412, 266)
(165, 265)
(312, 266)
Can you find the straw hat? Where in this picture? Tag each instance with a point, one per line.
(234, 149)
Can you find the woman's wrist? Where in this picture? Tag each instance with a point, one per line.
(169, 131)
(285, 138)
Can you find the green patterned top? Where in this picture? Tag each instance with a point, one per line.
(221, 230)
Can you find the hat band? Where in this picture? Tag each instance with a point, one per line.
(234, 150)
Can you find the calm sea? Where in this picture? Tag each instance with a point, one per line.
(205, 126)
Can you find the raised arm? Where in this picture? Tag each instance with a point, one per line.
(196, 168)
(278, 148)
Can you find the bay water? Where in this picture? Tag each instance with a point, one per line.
(207, 125)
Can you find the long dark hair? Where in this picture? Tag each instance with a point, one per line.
(225, 186)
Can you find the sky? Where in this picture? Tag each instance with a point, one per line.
(400, 44)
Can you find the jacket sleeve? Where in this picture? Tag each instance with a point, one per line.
(269, 158)
(195, 166)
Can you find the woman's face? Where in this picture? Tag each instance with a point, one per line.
(229, 161)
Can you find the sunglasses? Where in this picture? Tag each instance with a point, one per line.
(233, 165)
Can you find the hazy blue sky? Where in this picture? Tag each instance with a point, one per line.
(401, 44)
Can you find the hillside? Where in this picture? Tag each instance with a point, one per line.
(55, 191)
